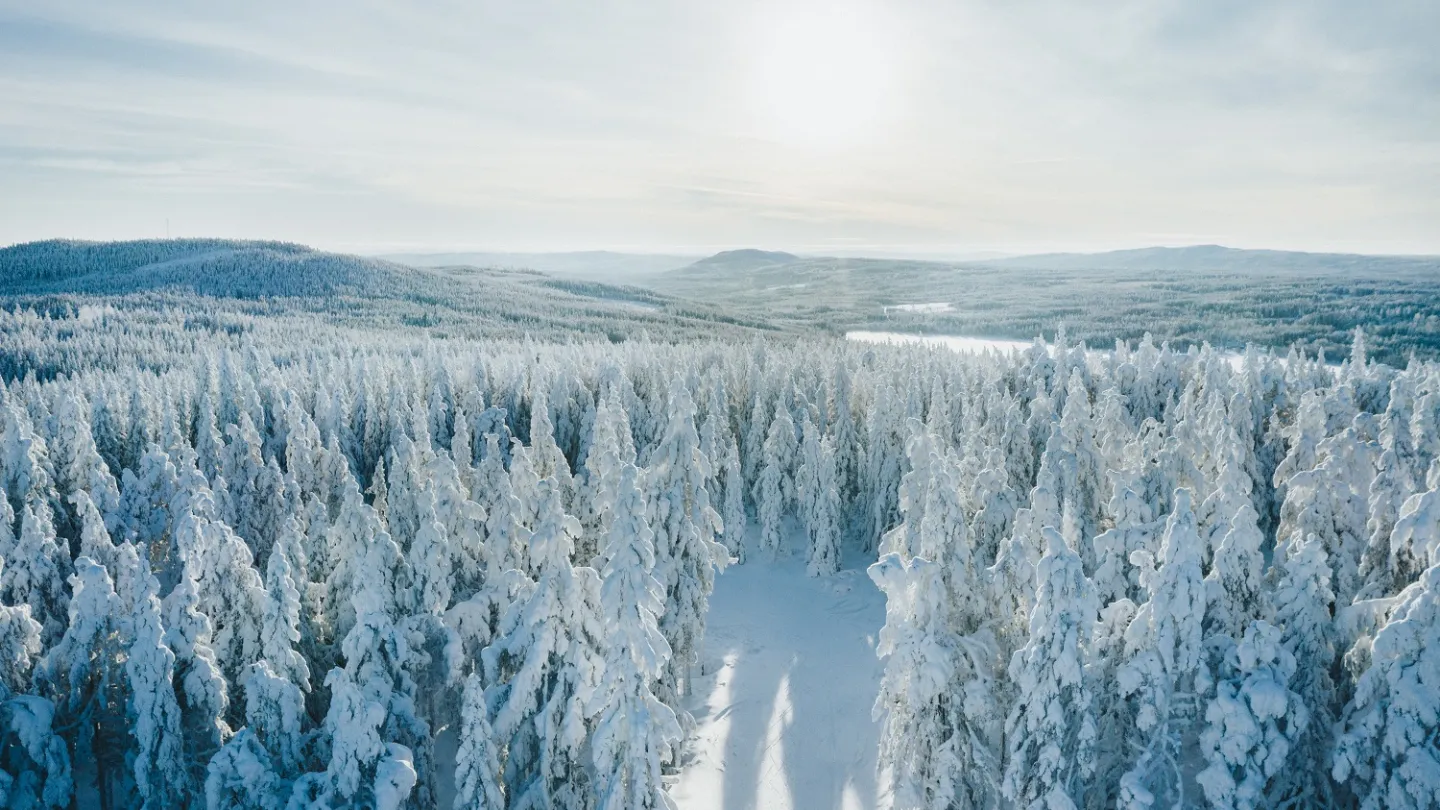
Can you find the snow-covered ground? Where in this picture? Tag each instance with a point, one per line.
(965, 345)
(975, 345)
(940, 306)
(783, 717)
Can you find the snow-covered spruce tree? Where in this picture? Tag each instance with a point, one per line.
(202, 690)
(463, 522)
(378, 657)
(231, 592)
(146, 497)
(923, 456)
(1388, 746)
(81, 676)
(242, 776)
(35, 768)
(35, 570)
(280, 626)
(1229, 493)
(1396, 479)
(545, 665)
(1303, 604)
(34, 761)
(478, 784)
(364, 770)
(95, 539)
(1319, 502)
(824, 511)
(1415, 540)
(1080, 471)
(26, 475)
(807, 457)
(161, 778)
(775, 488)
(79, 466)
(602, 470)
(733, 518)
(1133, 529)
(1252, 722)
(848, 451)
(995, 503)
(1051, 730)
(1235, 594)
(934, 688)
(634, 731)
(525, 485)
(505, 533)
(885, 445)
(752, 441)
(550, 461)
(1011, 581)
(349, 538)
(1387, 496)
(1165, 675)
(257, 766)
(687, 557)
(19, 648)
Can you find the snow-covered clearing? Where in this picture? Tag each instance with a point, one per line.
(976, 345)
(937, 307)
(964, 345)
(783, 717)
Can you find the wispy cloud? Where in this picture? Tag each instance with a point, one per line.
(569, 125)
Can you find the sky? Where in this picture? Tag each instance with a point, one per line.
(924, 127)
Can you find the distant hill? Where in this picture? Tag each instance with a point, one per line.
(365, 291)
(1218, 259)
(743, 259)
(589, 265)
(1187, 295)
(217, 267)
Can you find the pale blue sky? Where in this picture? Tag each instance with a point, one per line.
(846, 125)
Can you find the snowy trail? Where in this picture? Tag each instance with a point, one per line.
(783, 718)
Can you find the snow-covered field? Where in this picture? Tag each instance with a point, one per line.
(964, 345)
(783, 718)
(940, 306)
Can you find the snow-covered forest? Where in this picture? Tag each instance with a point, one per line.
(270, 570)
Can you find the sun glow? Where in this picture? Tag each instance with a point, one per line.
(822, 74)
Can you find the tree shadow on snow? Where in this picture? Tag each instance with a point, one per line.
(801, 681)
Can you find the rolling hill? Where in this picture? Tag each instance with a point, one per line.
(354, 290)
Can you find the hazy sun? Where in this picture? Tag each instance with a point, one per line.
(822, 74)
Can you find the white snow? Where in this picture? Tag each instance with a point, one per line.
(975, 345)
(783, 717)
(964, 345)
(939, 306)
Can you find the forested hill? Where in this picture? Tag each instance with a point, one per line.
(226, 268)
(1187, 296)
(57, 278)
(1213, 259)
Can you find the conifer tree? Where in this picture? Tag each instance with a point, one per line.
(1303, 602)
(160, 772)
(478, 783)
(1386, 750)
(687, 555)
(1051, 728)
(1252, 721)
(1235, 585)
(634, 730)
(544, 667)
(35, 570)
(1165, 671)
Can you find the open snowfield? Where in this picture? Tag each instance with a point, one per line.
(783, 717)
(964, 345)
